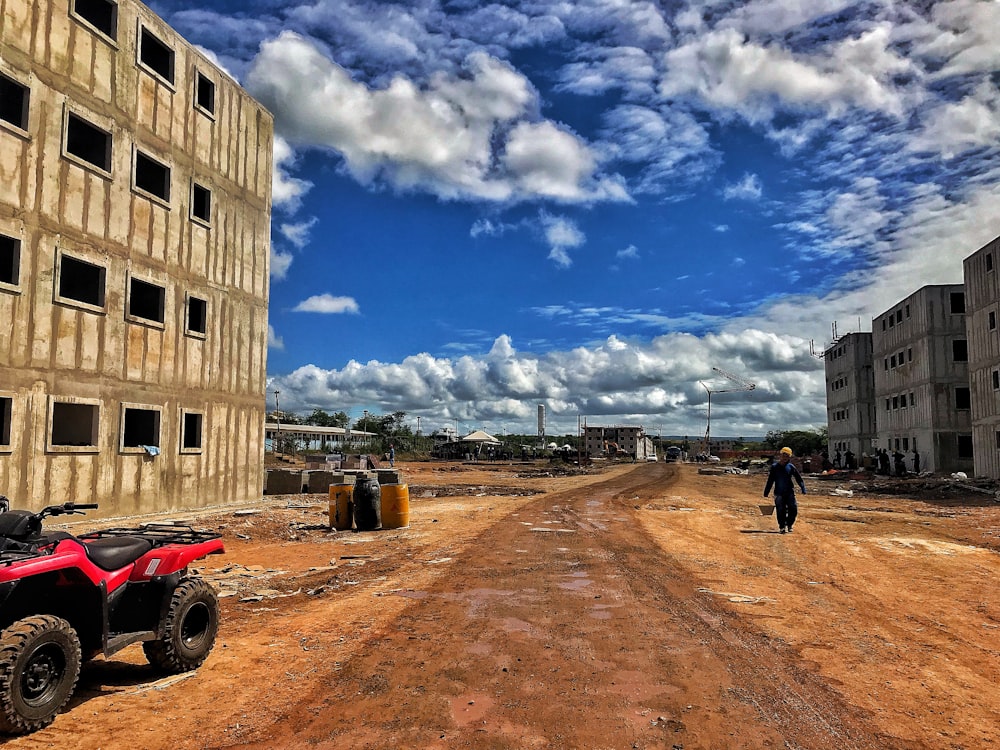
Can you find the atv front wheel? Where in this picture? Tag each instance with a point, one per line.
(39, 666)
(191, 625)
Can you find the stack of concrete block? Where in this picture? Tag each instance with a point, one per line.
(319, 481)
(283, 482)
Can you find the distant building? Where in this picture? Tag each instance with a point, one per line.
(313, 437)
(850, 395)
(982, 307)
(135, 201)
(922, 397)
(630, 440)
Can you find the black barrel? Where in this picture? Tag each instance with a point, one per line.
(367, 504)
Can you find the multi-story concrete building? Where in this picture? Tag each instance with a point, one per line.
(982, 306)
(628, 439)
(922, 399)
(850, 395)
(135, 183)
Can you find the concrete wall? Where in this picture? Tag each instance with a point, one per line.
(101, 356)
(850, 395)
(920, 386)
(982, 322)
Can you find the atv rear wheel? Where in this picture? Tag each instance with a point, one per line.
(191, 626)
(39, 666)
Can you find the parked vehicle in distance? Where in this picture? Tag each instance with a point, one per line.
(673, 453)
(652, 457)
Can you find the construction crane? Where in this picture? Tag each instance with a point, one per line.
(743, 385)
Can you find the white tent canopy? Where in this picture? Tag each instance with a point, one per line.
(480, 437)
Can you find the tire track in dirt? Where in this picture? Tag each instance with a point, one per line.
(565, 626)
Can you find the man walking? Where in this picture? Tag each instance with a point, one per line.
(782, 477)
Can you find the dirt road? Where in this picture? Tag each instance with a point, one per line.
(645, 606)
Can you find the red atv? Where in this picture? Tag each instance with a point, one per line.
(67, 598)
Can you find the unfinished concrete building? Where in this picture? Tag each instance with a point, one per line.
(629, 440)
(922, 399)
(135, 183)
(850, 395)
(982, 306)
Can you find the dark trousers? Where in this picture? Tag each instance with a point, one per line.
(787, 509)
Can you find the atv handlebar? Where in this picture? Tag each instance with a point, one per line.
(67, 508)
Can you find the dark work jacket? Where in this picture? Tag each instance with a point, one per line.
(781, 478)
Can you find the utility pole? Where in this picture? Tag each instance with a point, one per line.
(744, 385)
(277, 418)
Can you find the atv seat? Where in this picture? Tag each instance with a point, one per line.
(114, 552)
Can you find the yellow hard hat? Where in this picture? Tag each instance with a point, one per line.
(786, 451)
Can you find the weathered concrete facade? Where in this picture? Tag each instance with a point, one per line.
(850, 395)
(922, 398)
(135, 183)
(628, 439)
(982, 308)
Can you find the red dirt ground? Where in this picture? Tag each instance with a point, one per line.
(638, 606)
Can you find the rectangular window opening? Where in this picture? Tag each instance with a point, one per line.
(989, 261)
(960, 350)
(996, 380)
(205, 93)
(191, 438)
(74, 424)
(965, 446)
(197, 315)
(993, 320)
(958, 303)
(6, 414)
(146, 301)
(156, 55)
(81, 281)
(962, 399)
(14, 102)
(152, 176)
(899, 316)
(140, 427)
(201, 202)
(906, 444)
(88, 142)
(101, 14)
(10, 260)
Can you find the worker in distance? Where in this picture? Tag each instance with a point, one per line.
(782, 477)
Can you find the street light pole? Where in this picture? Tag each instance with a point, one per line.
(364, 425)
(277, 417)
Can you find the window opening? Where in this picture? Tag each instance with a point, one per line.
(101, 14)
(146, 300)
(81, 281)
(197, 317)
(960, 350)
(191, 439)
(962, 399)
(201, 202)
(205, 93)
(989, 261)
(958, 303)
(993, 320)
(6, 413)
(965, 446)
(10, 260)
(88, 142)
(996, 380)
(899, 316)
(911, 398)
(906, 444)
(152, 176)
(13, 102)
(74, 424)
(156, 55)
(140, 427)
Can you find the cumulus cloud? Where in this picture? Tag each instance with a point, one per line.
(658, 379)
(280, 263)
(286, 191)
(298, 234)
(274, 341)
(328, 304)
(562, 235)
(953, 127)
(448, 136)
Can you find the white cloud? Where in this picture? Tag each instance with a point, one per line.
(721, 227)
(327, 303)
(280, 263)
(446, 136)
(952, 128)
(562, 234)
(749, 188)
(274, 341)
(630, 252)
(286, 191)
(725, 70)
(298, 234)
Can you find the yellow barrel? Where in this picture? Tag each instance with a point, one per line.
(395, 506)
(340, 506)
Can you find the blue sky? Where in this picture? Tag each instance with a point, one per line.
(479, 208)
